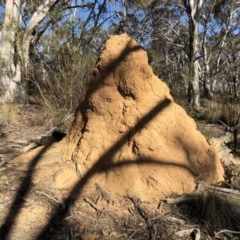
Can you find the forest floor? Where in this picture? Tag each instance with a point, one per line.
(33, 200)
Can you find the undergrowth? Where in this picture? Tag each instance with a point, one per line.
(211, 212)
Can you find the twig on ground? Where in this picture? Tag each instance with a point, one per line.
(151, 227)
(54, 198)
(176, 220)
(105, 193)
(49, 131)
(160, 207)
(70, 207)
(122, 235)
(71, 234)
(9, 157)
(79, 170)
(73, 218)
(132, 234)
(179, 199)
(29, 147)
(92, 204)
(60, 124)
(229, 128)
(195, 233)
(218, 234)
(14, 129)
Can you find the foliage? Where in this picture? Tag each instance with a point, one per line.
(66, 43)
(211, 212)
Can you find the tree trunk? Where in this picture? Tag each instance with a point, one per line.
(235, 84)
(206, 59)
(221, 45)
(193, 9)
(10, 69)
(14, 47)
(206, 83)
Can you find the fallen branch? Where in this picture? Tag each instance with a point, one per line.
(150, 225)
(226, 194)
(229, 128)
(9, 157)
(60, 124)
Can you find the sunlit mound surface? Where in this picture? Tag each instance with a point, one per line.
(129, 134)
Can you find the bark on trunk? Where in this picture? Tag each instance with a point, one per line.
(206, 84)
(221, 45)
(206, 79)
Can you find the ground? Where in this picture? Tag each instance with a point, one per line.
(32, 201)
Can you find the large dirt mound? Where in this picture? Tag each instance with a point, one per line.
(129, 134)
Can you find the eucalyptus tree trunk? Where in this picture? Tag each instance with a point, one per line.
(222, 43)
(10, 68)
(206, 79)
(193, 9)
(206, 61)
(14, 45)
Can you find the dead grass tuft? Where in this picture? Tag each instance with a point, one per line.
(226, 111)
(9, 112)
(211, 212)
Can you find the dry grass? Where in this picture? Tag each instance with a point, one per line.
(226, 111)
(212, 213)
(9, 113)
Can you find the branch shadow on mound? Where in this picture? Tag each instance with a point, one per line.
(60, 214)
(25, 185)
(99, 167)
